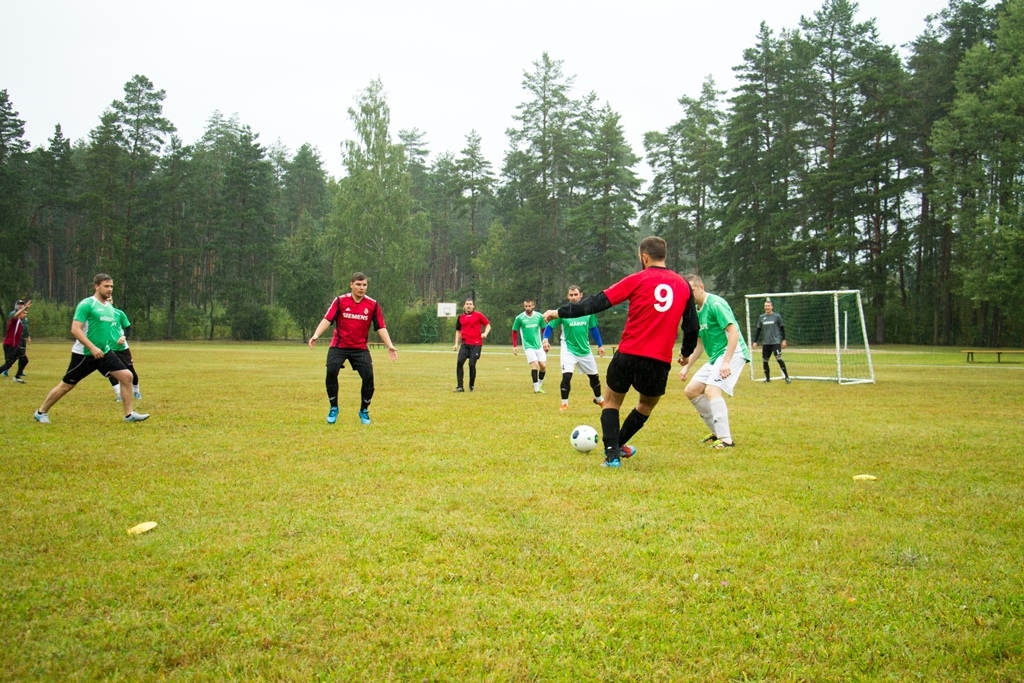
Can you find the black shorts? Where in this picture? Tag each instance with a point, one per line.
(358, 359)
(12, 353)
(647, 375)
(83, 366)
(126, 357)
(768, 349)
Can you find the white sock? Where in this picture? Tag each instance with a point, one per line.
(721, 413)
(117, 390)
(135, 388)
(704, 410)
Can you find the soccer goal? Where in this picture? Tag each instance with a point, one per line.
(826, 336)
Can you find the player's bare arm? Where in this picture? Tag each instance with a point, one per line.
(386, 338)
(324, 324)
(732, 333)
(688, 361)
(78, 332)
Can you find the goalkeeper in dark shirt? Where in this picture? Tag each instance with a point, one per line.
(770, 324)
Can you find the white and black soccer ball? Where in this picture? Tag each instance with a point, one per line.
(584, 438)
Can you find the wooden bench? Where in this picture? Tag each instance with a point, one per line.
(999, 353)
(375, 345)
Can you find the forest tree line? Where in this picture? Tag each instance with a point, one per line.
(833, 164)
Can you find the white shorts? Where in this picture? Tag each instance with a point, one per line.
(535, 355)
(587, 364)
(708, 374)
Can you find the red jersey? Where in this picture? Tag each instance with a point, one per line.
(15, 328)
(471, 326)
(657, 298)
(352, 321)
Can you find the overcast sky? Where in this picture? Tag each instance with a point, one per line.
(290, 70)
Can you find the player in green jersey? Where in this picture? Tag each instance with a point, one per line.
(576, 349)
(125, 354)
(727, 354)
(529, 325)
(96, 335)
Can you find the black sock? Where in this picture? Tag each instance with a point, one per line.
(533, 375)
(782, 364)
(767, 370)
(633, 423)
(565, 385)
(540, 375)
(610, 430)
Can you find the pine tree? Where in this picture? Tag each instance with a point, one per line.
(374, 227)
(13, 209)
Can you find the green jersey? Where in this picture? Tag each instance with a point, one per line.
(121, 322)
(99, 323)
(529, 328)
(576, 333)
(714, 316)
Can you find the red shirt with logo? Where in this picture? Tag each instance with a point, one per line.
(657, 298)
(471, 325)
(352, 320)
(15, 328)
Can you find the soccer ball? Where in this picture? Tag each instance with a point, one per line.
(584, 438)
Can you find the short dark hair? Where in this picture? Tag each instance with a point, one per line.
(576, 287)
(357, 277)
(100, 279)
(655, 247)
(694, 279)
(528, 301)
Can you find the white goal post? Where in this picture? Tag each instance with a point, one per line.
(826, 336)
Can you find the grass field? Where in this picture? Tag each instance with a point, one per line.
(459, 537)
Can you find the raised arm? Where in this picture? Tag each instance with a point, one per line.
(595, 303)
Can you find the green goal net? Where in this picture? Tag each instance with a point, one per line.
(826, 337)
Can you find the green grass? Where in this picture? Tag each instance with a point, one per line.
(459, 537)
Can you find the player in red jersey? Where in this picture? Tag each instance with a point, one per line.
(14, 337)
(658, 300)
(471, 328)
(352, 314)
